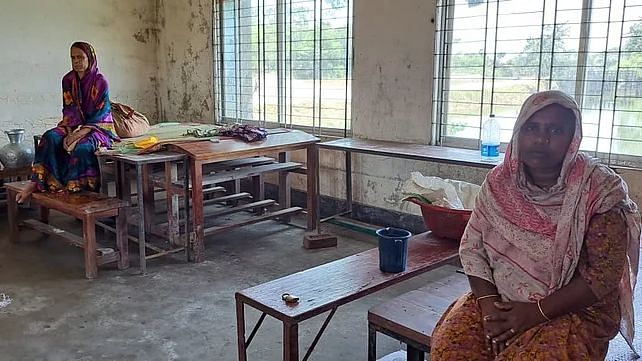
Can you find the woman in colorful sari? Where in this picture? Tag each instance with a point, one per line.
(551, 250)
(65, 158)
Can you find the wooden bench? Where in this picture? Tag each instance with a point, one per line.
(328, 286)
(85, 206)
(12, 175)
(411, 317)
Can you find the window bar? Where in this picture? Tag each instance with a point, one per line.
(582, 55)
(320, 61)
(217, 39)
(550, 76)
(237, 58)
(447, 15)
(264, 72)
(290, 63)
(280, 68)
(347, 74)
(606, 51)
(314, 69)
(541, 46)
(259, 30)
(617, 80)
(492, 80)
(481, 108)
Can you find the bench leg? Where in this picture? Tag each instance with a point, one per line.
(414, 354)
(372, 343)
(89, 235)
(121, 239)
(44, 214)
(240, 330)
(290, 342)
(236, 185)
(258, 191)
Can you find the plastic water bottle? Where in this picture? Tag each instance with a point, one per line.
(490, 139)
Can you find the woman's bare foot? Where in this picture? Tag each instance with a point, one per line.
(25, 194)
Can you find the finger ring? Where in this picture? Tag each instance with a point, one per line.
(494, 341)
(512, 330)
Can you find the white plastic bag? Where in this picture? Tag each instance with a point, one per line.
(442, 192)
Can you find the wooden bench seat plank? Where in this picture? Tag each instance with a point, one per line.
(242, 207)
(412, 316)
(257, 219)
(236, 163)
(242, 173)
(228, 198)
(418, 324)
(76, 204)
(351, 278)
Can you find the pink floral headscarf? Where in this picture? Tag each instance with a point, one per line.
(527, 240)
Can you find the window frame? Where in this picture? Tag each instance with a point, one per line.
(282, 74)
(444, 29)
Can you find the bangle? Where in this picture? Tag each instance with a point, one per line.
(542, 311)
(484, 297)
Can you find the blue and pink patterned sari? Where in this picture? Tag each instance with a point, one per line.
(85, 104)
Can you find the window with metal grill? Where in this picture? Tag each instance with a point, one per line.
(490, 55)
(284, 62)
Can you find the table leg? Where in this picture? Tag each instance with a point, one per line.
(240, 330)
(349, 181)
(148, 197)
(414, 354)
(123, 192)
(313, 187)
(372, 343)
(290, 342)
(141, 217)
(121, 238)
(284, 186)
(171, 176)
(196, 170)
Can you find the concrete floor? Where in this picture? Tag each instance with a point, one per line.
(181, 311)
(178, 311)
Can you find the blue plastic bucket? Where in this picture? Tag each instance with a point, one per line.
(393, 249)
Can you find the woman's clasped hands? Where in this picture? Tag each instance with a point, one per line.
(504, 321)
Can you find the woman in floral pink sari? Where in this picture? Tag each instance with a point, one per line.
(65, 159)
(551, 250)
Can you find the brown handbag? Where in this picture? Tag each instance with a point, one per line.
(128, 122)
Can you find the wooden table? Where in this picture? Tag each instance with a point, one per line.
(328, 286)
(201, 153)
(141, 162)
(423, 152)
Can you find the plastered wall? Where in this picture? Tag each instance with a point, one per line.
(186, 61)
(35, 41)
